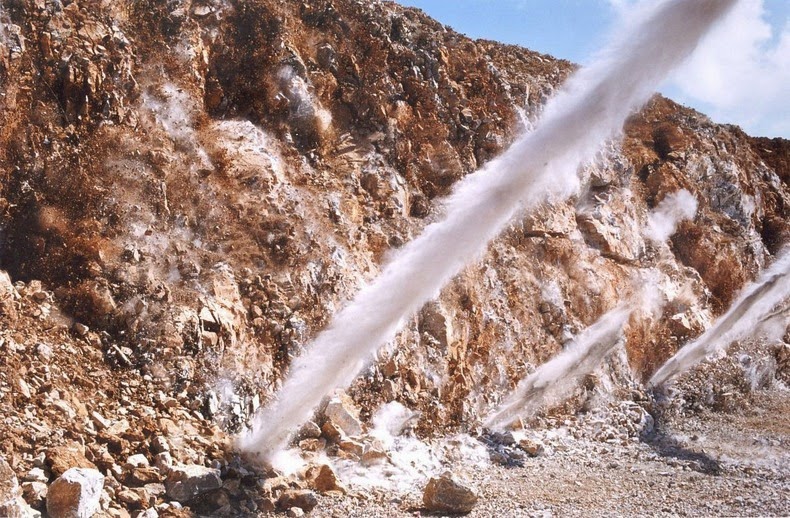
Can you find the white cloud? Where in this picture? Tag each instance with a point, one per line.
(740, 73)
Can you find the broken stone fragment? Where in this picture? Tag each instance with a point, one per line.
(75, 494)
(8, 294)
(322, 478)
(184, 483)
(310, 430)
(444, 495)
(137, 461)
(531, 446)
(35, 494)
(163, 461)
(294, 512)
(350, 446)
(62, 458)
(340, 412)
(304, 499)
(11, 503)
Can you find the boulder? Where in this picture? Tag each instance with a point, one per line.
(444, 495)
(341, 412)
(304, 499)
(75, 494)
(322, 478)
(184, 483)
(62, 458)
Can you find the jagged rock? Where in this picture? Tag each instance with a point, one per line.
(8, 295)
(341, 412)
(531, 446)
(63, 458)
(310, 430)
(551, 220)
(435, 321)
(304, 499)
(137, 461)
(350, 446)
(34, 493)
(36, 475)
(75, 494)
(11, 503)
(143, 476)
(444, 495)
(163, 461)
(322, 478)
(184, 483)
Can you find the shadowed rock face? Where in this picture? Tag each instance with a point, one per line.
(202, 185)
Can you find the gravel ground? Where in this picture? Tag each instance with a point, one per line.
(706, 464)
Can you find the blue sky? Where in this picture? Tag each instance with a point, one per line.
(740, 75)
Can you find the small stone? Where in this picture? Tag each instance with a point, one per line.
(155, 490)
(332, 432)
(304, 499)
(532, 447)
(76, 493)
(163, 462)
(36, 475)
(131, 498)
(44, 352)
(80, 329)
(312, 444)
(142, 476)
(294, 512)
(24, 389)
(444, 495)
(99, 420)
(184, 483)
(159, 444)
(137, 461)
(373, 456)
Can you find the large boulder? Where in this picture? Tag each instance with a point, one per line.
(444, 495)
(75, 494)
(341, 412)
(186, 482)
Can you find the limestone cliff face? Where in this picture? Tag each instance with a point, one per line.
(205, 183)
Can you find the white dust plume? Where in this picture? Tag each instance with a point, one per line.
(676, 207)
(558, 377)
(539, 166)
(407, 462)
(755, 306)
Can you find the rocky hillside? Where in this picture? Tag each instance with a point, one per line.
(190, 189)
